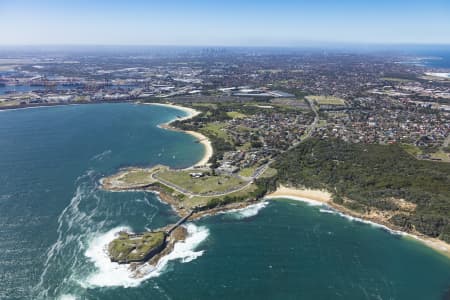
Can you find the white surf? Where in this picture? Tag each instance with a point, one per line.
(108, 274)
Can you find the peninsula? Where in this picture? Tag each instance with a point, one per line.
(192, 192)
(244, 169)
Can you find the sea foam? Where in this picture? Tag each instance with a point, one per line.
(101, 156)
(359, 220)
(310, 202)
(109, 274)
(247, 212)
(72, 219)
(67, 297)
(329, 210)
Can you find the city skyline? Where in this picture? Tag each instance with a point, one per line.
(234, 23)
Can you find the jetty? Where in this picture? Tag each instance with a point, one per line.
(181, 221)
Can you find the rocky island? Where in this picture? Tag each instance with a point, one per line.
(128, 248)
(247, 173)
(192, 193)
(136, 249)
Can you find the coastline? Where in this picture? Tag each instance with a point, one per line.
(41, 105)
(319, 197)
(440, 75)
(311, 196)
(200, 137)
(189, 111)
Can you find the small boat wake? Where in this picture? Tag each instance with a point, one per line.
(101, 156)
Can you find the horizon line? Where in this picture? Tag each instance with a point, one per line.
(306, 44)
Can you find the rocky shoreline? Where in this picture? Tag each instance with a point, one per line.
(374, 216)
(179, 233)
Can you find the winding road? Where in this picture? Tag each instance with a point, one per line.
(258, 172)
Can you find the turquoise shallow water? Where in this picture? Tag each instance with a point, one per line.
(54, 222)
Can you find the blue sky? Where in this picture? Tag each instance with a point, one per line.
(227, 23)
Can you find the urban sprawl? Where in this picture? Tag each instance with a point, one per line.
(254, 105)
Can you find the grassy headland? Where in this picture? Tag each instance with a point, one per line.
(381, 183)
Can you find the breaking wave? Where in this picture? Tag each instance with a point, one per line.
(310, 202)
(67, 297)
(247, 212)
(110, 274)
(326, 209)
(82, 235)
(329, 210)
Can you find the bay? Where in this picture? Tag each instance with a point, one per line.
(54, 219)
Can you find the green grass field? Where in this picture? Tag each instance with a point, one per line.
(327, 100)
(415, 151)
(216, 129)
(393, 79)
(236, 115)
(247, 172)
(444, 157)
(411, 149)
(221, 183)
(200, 201)
(126, 248)
(322, 123)
(208, 105)
(133, 177)
(245, 147)
(141, 176)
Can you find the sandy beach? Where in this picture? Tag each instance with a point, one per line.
(208, 148)
(190, 111)
(319, 197)
(200, 137)
(308, 195)
(311, 196)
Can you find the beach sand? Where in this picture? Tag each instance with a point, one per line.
(315, 197)
(200, 137)
(319, 197)
(208, 148)
(190, 111)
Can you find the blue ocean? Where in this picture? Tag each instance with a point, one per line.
(55, 223)
(432, 57)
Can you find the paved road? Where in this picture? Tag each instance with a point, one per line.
(258, 172)
(171, 185)
(311, 127)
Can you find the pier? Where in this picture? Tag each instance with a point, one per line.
(181, 221)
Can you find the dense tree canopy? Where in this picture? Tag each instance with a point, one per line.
(370, 174)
